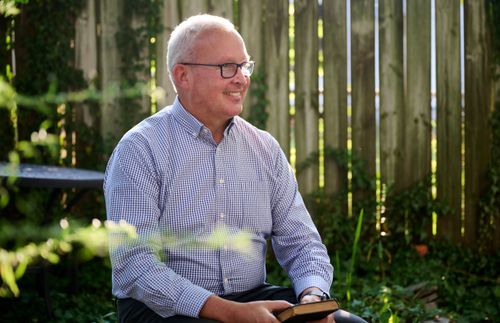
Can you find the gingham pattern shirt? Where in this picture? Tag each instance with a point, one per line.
(168, 176)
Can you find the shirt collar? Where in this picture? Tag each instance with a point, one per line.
(189, 122)
(186, 119)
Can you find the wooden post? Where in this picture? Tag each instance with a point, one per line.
(306, 92)
(86, 53)
(478, 106)
(391, 87)
(335, 90)
(251, 29)
(276, 65)
(363, 93)
(449, 118)
(169, 19)
(110, 11)
(363, 81)
(417, 128)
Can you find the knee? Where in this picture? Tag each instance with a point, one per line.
(342, 316)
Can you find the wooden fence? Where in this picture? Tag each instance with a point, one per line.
(323, 41)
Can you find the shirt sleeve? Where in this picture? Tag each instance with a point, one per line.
(132, 189)
(296, 241)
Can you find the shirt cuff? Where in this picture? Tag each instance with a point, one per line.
(312, 281)
(191, 301)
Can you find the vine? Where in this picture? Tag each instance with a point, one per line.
(489, 203)
(258, 115)
(139, 26)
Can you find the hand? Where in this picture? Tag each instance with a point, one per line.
(223, 310)
(310, 299)
(258, 311)
(315, 298)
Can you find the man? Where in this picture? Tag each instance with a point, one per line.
(194, 167)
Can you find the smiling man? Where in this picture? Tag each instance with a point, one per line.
(194, 167)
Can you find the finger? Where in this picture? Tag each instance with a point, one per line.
(278, 305)
(310, 299)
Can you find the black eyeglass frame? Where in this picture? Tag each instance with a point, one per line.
(221, 66)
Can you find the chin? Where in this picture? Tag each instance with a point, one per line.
(235, 110)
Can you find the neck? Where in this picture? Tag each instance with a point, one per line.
(215, 126)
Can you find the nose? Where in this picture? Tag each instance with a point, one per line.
(240, 78)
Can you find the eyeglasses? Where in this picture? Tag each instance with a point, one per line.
(229, 70)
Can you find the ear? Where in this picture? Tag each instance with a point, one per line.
(181, 76)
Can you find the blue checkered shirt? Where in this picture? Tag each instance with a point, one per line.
(167, 177)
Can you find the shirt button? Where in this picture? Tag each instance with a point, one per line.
(226, 280)
(222, 215)
(221, 181)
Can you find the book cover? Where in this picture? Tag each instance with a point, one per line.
(308, 311)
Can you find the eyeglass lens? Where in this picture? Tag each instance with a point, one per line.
(229, 70)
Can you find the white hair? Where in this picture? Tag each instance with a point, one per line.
(184, 36)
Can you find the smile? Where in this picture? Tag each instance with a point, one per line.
(235, 94)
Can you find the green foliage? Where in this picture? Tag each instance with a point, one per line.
(330, 211)
(493, 9)
(349, 273)
(8, 108)
(45, 62)
(258, 114)
(63, 238)
(409, 213)
(490, 202)
(139, 24)
(84, 297)
(10, 7)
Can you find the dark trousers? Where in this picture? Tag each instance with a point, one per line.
(131, 310)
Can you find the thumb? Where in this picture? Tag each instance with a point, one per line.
(277, 306)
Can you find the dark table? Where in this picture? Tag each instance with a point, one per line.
(55, 178)
(29, 175)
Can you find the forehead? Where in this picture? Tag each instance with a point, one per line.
(223, 45)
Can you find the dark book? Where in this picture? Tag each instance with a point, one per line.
(308, 311)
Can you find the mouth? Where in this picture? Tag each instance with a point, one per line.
(235, 94)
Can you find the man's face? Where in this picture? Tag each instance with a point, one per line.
(215, 99)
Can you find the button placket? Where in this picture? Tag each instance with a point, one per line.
(221, 213)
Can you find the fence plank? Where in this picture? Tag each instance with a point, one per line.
(417, 126)
(416, 150)
(391, 87)
(222, 8)
(193, 7)
(478, 105)
(276, 66)
(137, 23)
(110, 12)
(306, 91)
(363, 81)
(449, 118)
(169, 19)
(363, 93)
(335, 89)
(251, 29)
(86, 41)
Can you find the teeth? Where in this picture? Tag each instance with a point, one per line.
(237, 94)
